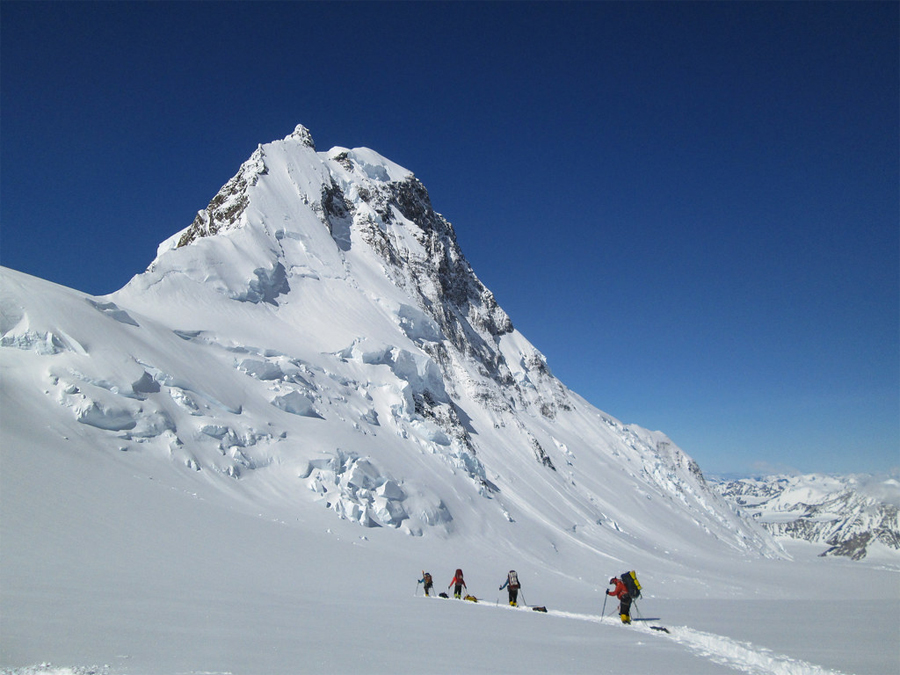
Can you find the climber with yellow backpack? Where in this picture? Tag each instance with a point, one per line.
(627, 588)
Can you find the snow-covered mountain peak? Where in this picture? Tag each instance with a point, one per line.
(288, 191)
(317, 336)
(292, 215)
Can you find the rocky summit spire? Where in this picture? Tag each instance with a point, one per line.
(302, 134)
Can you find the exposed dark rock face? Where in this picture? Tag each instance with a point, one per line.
(225, 209)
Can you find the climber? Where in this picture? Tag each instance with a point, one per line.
(512, 583)
(426, 579)
(621, 592)
(458, 584)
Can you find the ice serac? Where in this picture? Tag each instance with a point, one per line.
(318, 331)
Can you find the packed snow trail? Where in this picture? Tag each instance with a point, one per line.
(725, 651)
(718, 648)
(743, 655)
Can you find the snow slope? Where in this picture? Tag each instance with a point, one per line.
(242, 461)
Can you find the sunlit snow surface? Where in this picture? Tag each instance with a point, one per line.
(242, 462)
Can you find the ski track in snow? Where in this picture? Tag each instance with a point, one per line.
(742, 656)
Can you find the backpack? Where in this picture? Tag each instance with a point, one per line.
(632, 585)
(427, 579)
(513, 581)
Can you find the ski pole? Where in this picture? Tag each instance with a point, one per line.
(416, 594)
(523, 598)
(603, 611)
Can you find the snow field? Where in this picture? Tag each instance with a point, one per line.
(167, 576)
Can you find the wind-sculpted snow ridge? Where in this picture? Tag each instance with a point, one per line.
(850, 514)
(318, 332)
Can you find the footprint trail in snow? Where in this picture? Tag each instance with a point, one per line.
(726, 651)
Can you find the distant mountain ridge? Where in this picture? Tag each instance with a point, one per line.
(848, 514)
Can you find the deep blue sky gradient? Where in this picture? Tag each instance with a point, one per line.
(691, 208)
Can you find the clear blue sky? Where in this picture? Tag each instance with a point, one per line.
(690, 208)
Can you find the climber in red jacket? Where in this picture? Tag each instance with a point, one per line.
(621, 592)
(458, 583)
